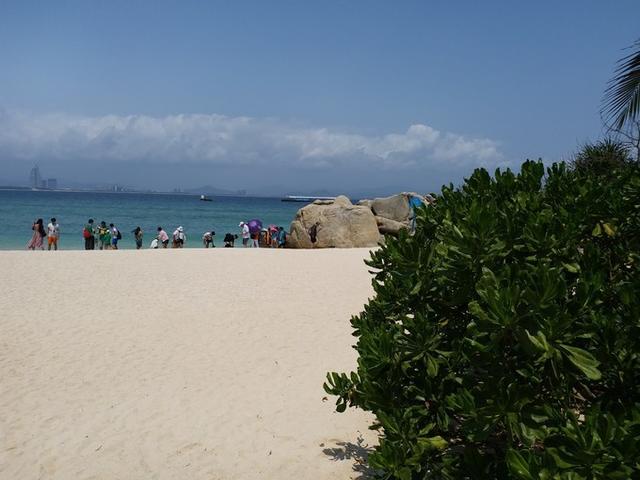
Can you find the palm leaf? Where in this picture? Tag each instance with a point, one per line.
(621, 102)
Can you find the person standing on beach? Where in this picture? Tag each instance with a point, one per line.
(87, 234)
(53, 233)
(38, 235)
(163, 237)
(137, 235)
(245, 233)
(179, 237)
(282, 237)
(115, 236)
(104, 236)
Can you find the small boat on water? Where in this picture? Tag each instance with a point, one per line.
(302, 198)
(204, 198)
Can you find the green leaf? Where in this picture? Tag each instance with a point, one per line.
(597, 230)
(609, 229)
(433, 443)
(535, 342)
(561, 459)
(476, 310)
(432, 367)
(584, 361)
(572, 267)
(517, 465)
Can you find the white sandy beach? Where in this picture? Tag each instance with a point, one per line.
(178, 364)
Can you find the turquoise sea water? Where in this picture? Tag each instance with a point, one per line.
(18, 210)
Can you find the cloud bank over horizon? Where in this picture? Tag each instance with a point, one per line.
(239, 143)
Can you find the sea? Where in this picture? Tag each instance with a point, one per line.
(20, 208)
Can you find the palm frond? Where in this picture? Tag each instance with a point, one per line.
(621, 102)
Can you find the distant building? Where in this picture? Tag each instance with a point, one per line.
(52, 183)
(35, 179)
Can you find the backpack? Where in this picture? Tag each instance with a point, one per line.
(119, 235)
(86, 233)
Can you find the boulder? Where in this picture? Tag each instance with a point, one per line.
(395, 207)
(365, 202)
(386, 225)
(340, 224)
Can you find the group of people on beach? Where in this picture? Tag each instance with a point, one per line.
(106, 237)
(178, 239)
(274, 236)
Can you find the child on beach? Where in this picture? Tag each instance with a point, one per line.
(53, 233)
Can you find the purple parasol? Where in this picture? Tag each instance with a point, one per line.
(255, 225)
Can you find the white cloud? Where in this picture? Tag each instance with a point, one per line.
(218, 139)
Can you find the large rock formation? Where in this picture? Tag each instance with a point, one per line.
(340, 224)
(394, 208)
(394, 213)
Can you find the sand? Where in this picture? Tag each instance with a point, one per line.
(178, 364)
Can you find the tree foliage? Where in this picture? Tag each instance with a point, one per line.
(601, 158)
(504, 337)
(621, 103)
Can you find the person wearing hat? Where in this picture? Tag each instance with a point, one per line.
(245, 234)
(178, 237)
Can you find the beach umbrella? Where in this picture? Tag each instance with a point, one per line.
(273, 228)
(255, 225)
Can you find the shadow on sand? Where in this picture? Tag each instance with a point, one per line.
(357, 453)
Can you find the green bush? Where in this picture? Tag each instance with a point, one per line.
(601, 158)
(504, 337)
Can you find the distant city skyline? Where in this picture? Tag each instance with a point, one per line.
(36, 181)
(274, 98)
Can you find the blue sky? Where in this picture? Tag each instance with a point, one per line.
(282, 96)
